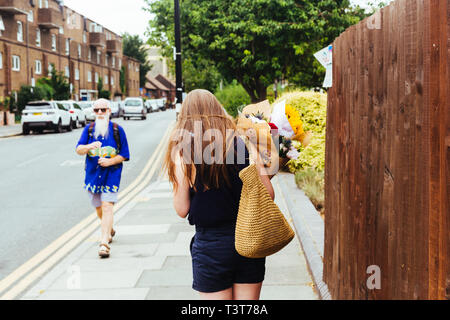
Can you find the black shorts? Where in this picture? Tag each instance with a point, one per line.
(216, 265)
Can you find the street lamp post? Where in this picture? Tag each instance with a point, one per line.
(178, 71)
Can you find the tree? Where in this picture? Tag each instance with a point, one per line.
(60, 87)
(101, 92)
(27, 94)
(255, 41)
(135, 48)
(122, 82)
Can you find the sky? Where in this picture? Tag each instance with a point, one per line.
(122, 16)
(118, 16)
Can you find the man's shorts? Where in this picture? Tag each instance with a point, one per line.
(217, 266)
(97, 198)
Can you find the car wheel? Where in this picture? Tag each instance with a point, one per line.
(59, 128)
(25, 130)
(84, 123)
(75, 124)
(69, 128)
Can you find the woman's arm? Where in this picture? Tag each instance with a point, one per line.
(181, 198)
(265, 178)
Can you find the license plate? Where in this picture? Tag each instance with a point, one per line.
(37, 114)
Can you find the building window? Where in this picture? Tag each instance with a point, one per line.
(106, 79)
(67, 46)
(89, 76)
(84, 37)
(30, 16)
(54, 42)
(89, 54)
(77, 74)
(46, 3)
(98, 56)
(38, 37)
(79, 50)
(1, 60)
(15, 63)
(19, 31)
(50, 68)
(96, 77)
(43, 3)
(38, 69)
(2, 25)
(113, 62)
(106, 60)
(112, 80)
(67, 71)
(61, 30)
(92, 27)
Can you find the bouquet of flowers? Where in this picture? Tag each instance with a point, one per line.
(281, 124)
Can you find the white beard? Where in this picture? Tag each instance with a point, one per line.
(101, 127)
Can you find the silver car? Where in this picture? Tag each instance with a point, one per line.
(88, 110)
(134, 107)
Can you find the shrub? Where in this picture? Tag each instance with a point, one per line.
(311, 182)
(233, 97)
(27, 94)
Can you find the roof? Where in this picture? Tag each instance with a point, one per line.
(156, 84)
(150, 86)
(164, 80)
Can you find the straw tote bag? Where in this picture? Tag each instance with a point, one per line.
(261, 229)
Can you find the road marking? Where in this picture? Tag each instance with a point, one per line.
(72, 163)
(69, 240)
(23, 164)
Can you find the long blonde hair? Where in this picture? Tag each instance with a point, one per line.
(201, 106)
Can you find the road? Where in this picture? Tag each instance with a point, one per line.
(41, 185)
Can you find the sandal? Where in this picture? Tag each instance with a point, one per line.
(113, 233)
(104, 250)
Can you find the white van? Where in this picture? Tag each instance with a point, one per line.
(134, 107)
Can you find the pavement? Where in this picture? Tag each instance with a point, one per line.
(150, 257)
(10, 130)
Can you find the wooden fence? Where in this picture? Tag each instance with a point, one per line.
(387, 177)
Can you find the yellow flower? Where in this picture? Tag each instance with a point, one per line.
(294, 120)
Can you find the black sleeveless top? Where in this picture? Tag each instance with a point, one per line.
(219, 207)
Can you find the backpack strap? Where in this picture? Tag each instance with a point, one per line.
(91, 128)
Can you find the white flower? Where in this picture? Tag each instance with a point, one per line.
(293, 154)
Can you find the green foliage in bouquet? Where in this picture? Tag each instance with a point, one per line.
(313, 110)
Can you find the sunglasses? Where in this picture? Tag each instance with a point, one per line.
(100, 109)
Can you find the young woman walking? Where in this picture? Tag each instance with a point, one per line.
(207, 190)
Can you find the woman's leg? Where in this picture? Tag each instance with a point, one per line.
(226, 294)
(107, 221)
(99, 212)
(246, 291)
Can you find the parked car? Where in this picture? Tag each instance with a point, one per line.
(40, 115)
(152, 105)
(88, 110)
(134, 107)
(77, 114)
(115, 109)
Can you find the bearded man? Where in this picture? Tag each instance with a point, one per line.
(105, 145)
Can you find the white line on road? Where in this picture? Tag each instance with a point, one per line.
(23, 164)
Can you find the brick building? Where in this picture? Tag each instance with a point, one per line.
(34, 34)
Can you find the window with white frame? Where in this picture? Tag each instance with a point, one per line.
(106, 60)
(96, 77)
(67, 71)
(77, 74)
(84, 37)
(1, 60)
(30, 16)
(54, 42)
(67, 46)
(15, 63)
(89, 54)
(79, 50)
(46, 3)
(106, 79)
(61, 30)
(98, 56)
(2, 25)
(38, 37)
(112, 80)
(89, 76)
(38, 67)
(50, 68)
(41, 3)
(113, 62)
(19, 31)
(92, 27)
